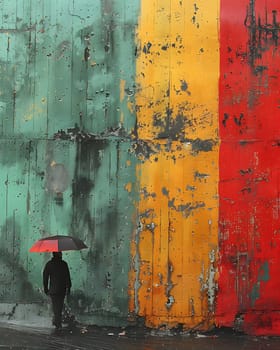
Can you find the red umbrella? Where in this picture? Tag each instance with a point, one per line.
(57, 244)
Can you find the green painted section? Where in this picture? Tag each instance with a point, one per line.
(67, 70)
(263, 276)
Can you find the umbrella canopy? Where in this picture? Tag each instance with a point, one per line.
(57, 244)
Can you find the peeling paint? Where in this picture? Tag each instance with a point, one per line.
(177, 145)
(248, 253)
(262, 33)
(65, 133)
(263, 275)
(157, 148)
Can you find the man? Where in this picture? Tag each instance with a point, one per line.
(57, 283)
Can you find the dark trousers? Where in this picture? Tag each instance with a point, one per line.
(57, 304)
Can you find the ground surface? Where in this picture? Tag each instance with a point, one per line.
(14, 336)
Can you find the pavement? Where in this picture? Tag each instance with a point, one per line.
(22, 336)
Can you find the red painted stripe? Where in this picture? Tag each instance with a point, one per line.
(249, 111)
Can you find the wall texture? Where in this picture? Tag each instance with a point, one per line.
(177, 119)
(249, 166)
(67, 147)
(149, 129)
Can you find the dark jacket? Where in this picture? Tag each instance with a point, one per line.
(56, 277)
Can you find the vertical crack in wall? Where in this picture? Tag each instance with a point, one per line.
(208, 281)
(137, 265)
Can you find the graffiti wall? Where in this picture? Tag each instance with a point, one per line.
(149, 130)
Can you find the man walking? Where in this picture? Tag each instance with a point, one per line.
(57, 284)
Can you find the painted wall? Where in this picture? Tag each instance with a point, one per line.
(177, 114)
(67, 153)
(149, 129)
(249, 166)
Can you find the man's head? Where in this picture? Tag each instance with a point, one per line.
(57, 255)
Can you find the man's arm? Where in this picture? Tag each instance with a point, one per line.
(68, 280)
(46, 275)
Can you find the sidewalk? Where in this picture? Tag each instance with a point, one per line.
(20, 336)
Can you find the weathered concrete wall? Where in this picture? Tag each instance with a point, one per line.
(249, 166)
(177, 115)
(67, 86)
(149, 129)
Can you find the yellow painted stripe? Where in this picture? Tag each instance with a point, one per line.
(176, 241)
